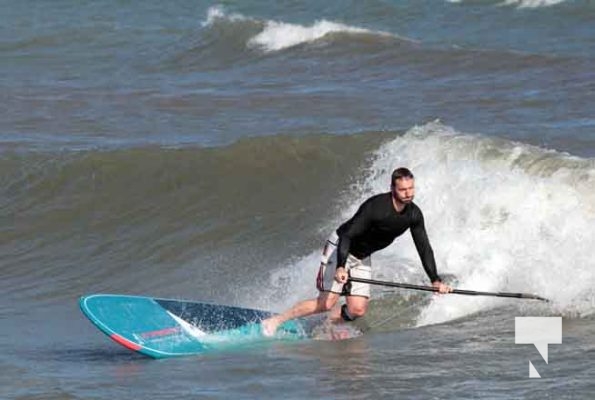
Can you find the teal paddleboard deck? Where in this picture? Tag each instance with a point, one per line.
(162, 328)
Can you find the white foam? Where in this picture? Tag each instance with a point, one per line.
(532, 3)
(279, 35)
(217, 13)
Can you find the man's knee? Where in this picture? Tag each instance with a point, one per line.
(358, 311)
(351, 313)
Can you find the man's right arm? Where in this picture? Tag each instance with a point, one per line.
(353, 228)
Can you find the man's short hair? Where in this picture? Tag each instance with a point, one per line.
(400, 173)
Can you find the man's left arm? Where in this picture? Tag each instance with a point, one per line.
(426, 254)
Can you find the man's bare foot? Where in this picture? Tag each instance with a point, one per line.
(269, 326)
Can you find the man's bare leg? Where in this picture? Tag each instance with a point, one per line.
(324, 302)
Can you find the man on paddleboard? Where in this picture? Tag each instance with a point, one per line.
(376, 224)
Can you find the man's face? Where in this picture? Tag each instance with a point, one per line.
(404, 190)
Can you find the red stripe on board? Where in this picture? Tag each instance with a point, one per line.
(125, 342)
(162, 332)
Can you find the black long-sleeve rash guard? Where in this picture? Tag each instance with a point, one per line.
(376, 224)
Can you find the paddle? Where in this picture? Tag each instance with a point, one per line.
(455, 291)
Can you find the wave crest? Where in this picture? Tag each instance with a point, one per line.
(276, 35)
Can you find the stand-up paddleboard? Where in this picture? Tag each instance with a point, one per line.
(162, 328)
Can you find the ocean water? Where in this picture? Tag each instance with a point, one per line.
(205, 150)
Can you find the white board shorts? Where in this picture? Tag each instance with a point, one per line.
(325, 280)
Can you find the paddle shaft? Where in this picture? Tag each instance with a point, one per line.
(455, 291)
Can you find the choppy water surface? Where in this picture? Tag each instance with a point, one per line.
(204, 151)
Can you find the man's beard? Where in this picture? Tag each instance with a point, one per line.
(401, 200)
